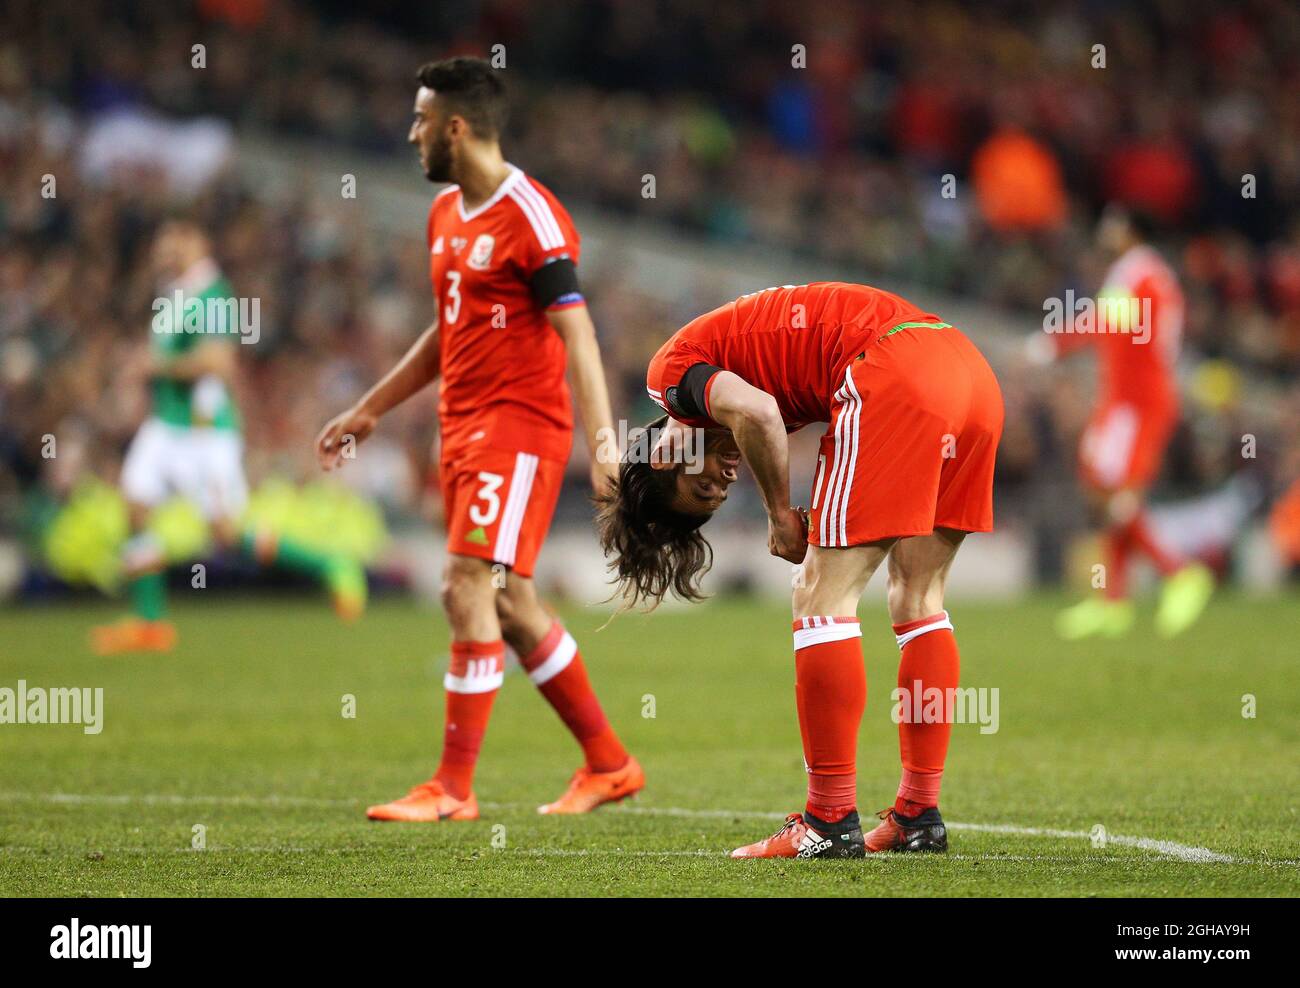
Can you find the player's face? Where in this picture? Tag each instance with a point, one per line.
(174, 249)
(702, 493)
(1112, 231)
(430, 137)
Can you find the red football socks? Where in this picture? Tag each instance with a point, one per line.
(929, 661)
(557, 670)
(1122, 541)
(477, 669)
(830, 692)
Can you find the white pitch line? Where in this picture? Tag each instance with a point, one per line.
(1172, 849)
(881, 860)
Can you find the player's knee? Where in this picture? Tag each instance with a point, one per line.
(466, 587)
(508, 614)
(912, 598)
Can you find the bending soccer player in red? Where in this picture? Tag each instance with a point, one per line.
(502, 258)
(905, 471)
(1136, 329)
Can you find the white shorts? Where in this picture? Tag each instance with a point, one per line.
(204, 465)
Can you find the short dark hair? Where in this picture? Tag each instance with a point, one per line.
(471, 88)
(655, 549)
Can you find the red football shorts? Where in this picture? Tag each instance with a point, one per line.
(499, 505)
(912, 441)
(1124, 445)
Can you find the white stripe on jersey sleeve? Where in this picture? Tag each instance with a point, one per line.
(530, 191)
(540, 218)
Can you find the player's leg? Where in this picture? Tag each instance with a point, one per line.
(1106, 451)
(929, 660)
(145, 484)
(222, 486)
(342, 576)
(918, 575)
(878, 479)
(486, 495)
(1120, 456)
(470, 687)
(550, 656)
(830, 695)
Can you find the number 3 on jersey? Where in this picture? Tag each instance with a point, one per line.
(452, 309)
(488, 494)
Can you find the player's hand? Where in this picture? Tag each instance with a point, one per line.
(787, 534)
(673, 447)
(341, 434)
(603, 476)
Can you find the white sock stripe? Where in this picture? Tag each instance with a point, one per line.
(853, 456)
(556, 662)
(829, 631)
(925, 629)
(481, 676)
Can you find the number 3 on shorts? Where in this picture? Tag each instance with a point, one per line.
(487, 493)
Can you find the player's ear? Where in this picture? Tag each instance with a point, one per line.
(457, 126)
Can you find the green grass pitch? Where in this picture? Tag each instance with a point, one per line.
(241, 732)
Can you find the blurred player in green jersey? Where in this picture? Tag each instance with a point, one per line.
(190, 445)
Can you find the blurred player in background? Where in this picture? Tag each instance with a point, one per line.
(1137, 334)
(190, 445)
(503, 257)
(904, 473)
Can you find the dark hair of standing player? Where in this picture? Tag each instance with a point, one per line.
(471, 88)
(654, 549)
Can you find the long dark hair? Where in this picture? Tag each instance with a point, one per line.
(653, 549)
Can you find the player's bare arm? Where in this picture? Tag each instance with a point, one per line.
(754, 419)
(587, 378)
(418, 368)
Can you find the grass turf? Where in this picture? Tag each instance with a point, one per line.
(240, 731)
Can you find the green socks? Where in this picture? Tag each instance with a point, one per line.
(148, 593)
(291, 555)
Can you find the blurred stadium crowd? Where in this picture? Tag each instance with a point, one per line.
(842, 161)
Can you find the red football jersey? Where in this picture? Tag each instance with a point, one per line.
(1136, 362)
(503, 366)
(792, 342)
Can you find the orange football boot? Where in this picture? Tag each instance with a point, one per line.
(588, 789)
(428, 802)
(133, 634)
(800, 838)
(924, 832)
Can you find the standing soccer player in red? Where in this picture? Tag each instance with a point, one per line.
(1136, 330)
(905, 471)
(503, 257)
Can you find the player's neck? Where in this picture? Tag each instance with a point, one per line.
(481, 174)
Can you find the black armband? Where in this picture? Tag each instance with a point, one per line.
(555, 283)
(686, 400)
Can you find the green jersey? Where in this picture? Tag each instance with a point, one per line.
(182, 321)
